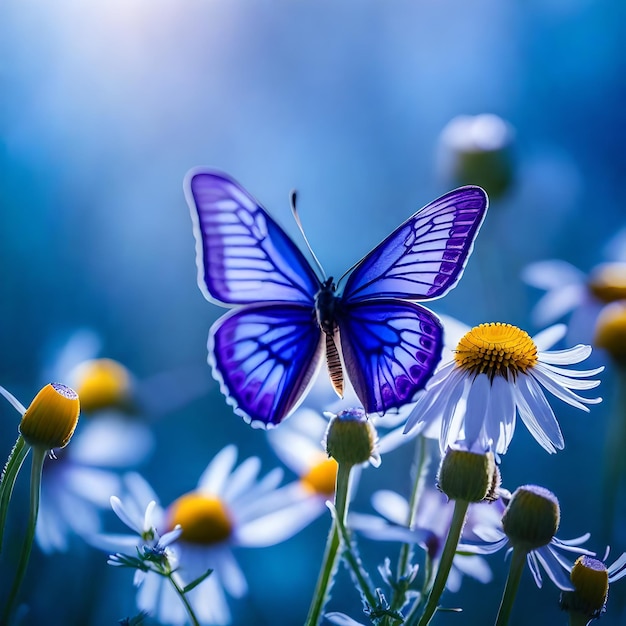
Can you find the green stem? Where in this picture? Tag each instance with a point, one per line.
(422, 461)
(9, 476)
(420, 468)
(184, 599)
(353, 562)
(449, 550)
(329, 563)
(39, 455)
(518, 560)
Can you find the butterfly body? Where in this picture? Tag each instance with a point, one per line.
(266, 352)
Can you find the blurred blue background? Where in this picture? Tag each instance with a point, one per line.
(104, 106)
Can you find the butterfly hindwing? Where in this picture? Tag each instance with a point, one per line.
(390, 350)
(243, 256)
(265, 357)
(424, 257)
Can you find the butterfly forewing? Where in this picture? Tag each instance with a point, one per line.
(424, 257)
(243, 256)
(265, 357)
(390, 350)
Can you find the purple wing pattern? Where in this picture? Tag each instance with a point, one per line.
(265, 357)
(424, 257)
(243, 256)
(390, 350)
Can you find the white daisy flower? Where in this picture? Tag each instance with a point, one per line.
(496, 372)
(231, 507)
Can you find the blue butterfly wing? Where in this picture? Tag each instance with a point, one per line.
(390, 350)
(424, 257)
(265, 357)
(243, 256)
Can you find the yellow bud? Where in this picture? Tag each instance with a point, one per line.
(607, 282)
(102, 384)
(51, 418)
(610, 331)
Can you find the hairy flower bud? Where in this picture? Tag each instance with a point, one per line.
(590, 578)
(532, 517)
(351, 438)
(468, 476)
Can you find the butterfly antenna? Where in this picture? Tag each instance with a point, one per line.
(292, 198)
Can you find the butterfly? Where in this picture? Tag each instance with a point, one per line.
(267, 350)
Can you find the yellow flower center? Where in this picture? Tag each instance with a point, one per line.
(204, 519)
(102, 383)
(607, 282)
(610, 331)
(321, 477)
(496, 349)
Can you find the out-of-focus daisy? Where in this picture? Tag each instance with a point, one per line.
(231, 507)
(78, 481)
(434, 515)
(496, 372)
(569, 290)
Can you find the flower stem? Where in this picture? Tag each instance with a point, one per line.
(7, 481)
(39, 454)
(518, 560)
(181, 594)
(449, 549)
(329, 563)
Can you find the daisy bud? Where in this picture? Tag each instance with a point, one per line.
(51, 418)
(102, 384)
(351, 439)
(468, 476)
(532, 517)
(477, 150)
(610, 331)
(607, 282)
(590, 578)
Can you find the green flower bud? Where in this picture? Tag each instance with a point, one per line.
(351, 438)
(532, 517)
(468, 476)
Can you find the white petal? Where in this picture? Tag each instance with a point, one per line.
(17, 405)
(131, 520)
(476, 410)
(569, 356)
(562, 392)
(453, 416)
(279, 525)
(242, 479)
(569, 373)
(474, 566)
(339, 619)
(391, 505)
(214, 477)
(530, 419)
(554, 568)
(500, 421)
(541, 410)
(232, 577)
(112, 441)
(552, 274)
(557, 303)
(548, 337)
(93, 485)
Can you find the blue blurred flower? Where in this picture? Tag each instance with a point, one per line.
(231, 507)
(432, 522)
